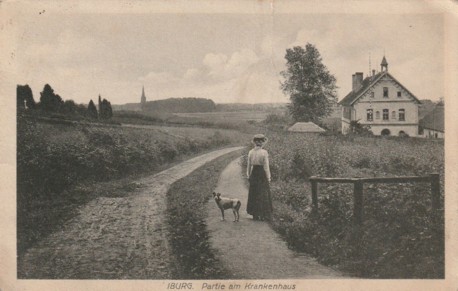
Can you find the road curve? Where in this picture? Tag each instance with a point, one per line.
(114, 237)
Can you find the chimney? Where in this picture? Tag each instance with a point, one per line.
(357, 81)
(373, 73)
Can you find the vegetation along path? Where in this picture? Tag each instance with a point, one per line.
(252, 249)
(114, 237)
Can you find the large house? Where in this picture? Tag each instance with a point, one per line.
(381, 102)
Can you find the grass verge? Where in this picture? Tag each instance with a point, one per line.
(188, 237)
(400, 238)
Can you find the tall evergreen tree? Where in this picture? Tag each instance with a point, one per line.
(108, 109)
(69, 107)
(24, 97)
(49, 101)
(105, 110)
(311, 87)
(92, 110)
(100, 106)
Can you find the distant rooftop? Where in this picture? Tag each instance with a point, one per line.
(305, 127)
(434, 120)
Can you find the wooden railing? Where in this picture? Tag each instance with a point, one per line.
(358, 195)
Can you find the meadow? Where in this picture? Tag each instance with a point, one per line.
(240, 120)
(227, 116)
(399, 237)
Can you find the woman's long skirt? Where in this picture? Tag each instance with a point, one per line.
(259, 200)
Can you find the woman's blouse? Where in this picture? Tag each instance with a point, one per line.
(258, 156)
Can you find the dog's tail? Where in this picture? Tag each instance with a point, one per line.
(237, 206)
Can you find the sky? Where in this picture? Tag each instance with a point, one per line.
(227, 57)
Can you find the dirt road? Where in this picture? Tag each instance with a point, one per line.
(114, 237)
(251, 249)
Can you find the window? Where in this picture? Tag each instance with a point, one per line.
(386, 114)
(393, 114)
(402, 115)
(385, 92)
(372, 94)
(377, 115)
(399, 94)
(370, 113)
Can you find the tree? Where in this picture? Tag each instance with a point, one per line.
(49, 101)
(309, 84)
(92, 110)
(105, 110)
(69, 107)
(24, 97)
(100, 106)
(359, 129)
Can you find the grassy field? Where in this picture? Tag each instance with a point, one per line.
(399, 237)
(194, 133)
(227, 116)
(245, 121)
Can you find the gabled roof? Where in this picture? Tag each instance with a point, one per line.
(368, 82)
(305, 127)
(434, 120)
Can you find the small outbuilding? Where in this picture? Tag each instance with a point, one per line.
(433, 123)
(306, 127)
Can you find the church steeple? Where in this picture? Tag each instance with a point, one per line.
(143, 98)
(384, 65)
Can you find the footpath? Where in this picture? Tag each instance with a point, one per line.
(252, 249)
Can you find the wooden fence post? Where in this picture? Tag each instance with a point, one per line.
(435, 192)
(358, 202)
(315, 194)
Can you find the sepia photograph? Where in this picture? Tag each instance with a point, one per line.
(210, 145)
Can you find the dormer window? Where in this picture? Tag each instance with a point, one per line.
(385, 92)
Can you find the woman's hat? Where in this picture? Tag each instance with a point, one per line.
(260, 137)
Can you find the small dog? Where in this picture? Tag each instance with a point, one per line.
(227, 203)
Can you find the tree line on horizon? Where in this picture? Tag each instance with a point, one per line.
(50, 102)
(180, 105)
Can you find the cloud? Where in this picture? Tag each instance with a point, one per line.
(159, 78)
(214, 61)
(192, 74)
(242, 77)
(223, 67)
(68, 47)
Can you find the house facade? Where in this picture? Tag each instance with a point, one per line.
(381, 102)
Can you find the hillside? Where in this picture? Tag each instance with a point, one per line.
(180, 105)
(225, 107)
(127, 106)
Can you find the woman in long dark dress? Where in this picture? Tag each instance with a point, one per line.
(258, 172)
